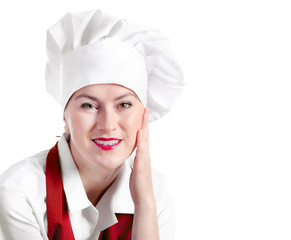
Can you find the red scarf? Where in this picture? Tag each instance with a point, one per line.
(59, 225)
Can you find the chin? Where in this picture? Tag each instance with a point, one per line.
(109, 162)
(113, 158)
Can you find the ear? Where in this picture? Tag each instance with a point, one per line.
(66, 126)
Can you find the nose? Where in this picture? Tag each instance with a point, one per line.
(107, 120)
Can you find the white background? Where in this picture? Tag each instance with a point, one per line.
(225, 147)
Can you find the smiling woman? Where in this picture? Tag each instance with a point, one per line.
(96, 116)
(111, 79)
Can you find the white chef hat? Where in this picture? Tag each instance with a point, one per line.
(91, 47)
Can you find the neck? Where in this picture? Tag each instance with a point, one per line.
(96, 180)
(97, 183)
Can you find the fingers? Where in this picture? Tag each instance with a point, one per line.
(141, 181)
(143, 133)
(145, 119)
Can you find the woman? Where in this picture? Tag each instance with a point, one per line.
(96, 182)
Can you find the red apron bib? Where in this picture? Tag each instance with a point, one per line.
(59, 225)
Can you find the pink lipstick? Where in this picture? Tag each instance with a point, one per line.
(107, 143)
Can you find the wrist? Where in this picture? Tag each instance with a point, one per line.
(145, 204)
(145, 221)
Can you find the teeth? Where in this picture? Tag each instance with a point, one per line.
(107, 143)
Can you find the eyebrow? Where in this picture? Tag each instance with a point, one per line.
(85, 95)
(126, 95)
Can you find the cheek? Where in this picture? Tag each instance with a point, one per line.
(133, 124)
(77, 123)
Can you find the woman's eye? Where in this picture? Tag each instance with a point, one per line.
(88, 106)
(124, 105)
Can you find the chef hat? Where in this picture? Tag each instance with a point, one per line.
(91, 47)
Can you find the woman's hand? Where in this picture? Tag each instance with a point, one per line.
(141, 180)
(145, 223)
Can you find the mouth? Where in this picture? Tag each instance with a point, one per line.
(107, 143)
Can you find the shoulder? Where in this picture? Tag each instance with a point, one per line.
(160, 185)
(25, 170)
(22, 198)
(162, 193)
(25, 178)
(165, 206)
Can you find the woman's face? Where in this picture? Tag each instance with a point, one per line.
(103, 121)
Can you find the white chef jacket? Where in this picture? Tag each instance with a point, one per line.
(23, 200)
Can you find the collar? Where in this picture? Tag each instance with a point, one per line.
(117, 198)
(73, 186)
